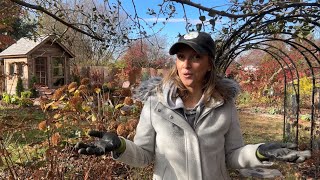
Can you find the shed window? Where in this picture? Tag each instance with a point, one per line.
(11, 69)
(16, 69)
(19, 69)
(41, 70)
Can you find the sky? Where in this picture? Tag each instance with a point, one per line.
(177, 24)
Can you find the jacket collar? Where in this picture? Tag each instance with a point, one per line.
(225, 90)
(216, 101)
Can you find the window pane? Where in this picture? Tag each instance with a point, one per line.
(20, 69)
(58, 68)
(58, 71)
(11, 69)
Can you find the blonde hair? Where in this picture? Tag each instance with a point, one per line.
(208, 84)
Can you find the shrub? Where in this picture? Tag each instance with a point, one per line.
(32, 88)
(274, 110)
(244, 98)
(6, 98)
(306, 117)
(19, 87)
(24, 102)
(26, 94)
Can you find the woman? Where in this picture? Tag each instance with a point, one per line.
(189, 124)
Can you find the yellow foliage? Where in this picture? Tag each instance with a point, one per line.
(97, 90)
(305, 85)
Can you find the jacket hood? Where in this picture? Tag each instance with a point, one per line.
(228, 89)
(147, 88)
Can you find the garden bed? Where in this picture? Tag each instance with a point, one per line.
(32, 157)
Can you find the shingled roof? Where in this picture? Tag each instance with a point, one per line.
(25, 46)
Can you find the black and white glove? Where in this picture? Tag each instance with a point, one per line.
(107, 142)
(281, 152)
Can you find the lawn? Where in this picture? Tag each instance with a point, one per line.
(30, 156)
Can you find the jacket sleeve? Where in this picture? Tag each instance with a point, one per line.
(239, 155)
(140, 153)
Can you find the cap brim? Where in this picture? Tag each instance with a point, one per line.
(175, 48)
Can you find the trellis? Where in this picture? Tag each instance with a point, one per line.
(257, 33)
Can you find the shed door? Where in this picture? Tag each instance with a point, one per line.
(41, 70)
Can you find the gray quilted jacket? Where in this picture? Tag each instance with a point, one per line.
(180, 151)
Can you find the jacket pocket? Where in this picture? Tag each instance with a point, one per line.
(223, 168)
(169, 174)
(163, 171)
(160, 167)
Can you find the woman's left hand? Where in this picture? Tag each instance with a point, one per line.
(282, 152)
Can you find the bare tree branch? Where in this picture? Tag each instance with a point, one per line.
(213, 11)
(40, 8)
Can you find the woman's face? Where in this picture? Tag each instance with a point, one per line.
(192, 67)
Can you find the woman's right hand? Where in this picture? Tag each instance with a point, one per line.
(106, 142)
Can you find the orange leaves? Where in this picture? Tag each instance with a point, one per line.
(42, 125)
(75, 102)
(132, 124)
(125, 129)
(48, 124)
(128, 101)
(122, 130)
(85, 81)
(57, 94)
(72, 87)
(55, 139)
(113, 126)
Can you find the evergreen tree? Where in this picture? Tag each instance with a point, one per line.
(15, 21)
(19, 87)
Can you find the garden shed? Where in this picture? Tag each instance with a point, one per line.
(43, 59)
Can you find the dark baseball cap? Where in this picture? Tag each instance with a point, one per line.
(201, 42)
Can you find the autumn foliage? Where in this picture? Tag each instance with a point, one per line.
(262, 75)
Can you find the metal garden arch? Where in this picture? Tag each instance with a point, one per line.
(259, 32)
